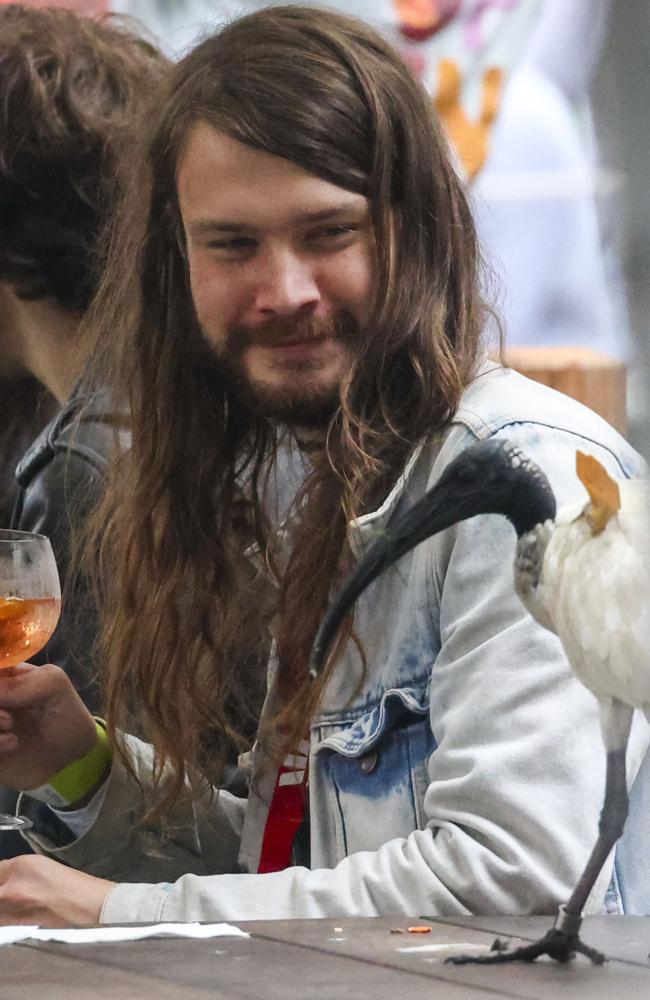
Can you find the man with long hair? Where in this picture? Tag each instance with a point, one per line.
(303, 273)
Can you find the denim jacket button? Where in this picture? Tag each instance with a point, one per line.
(368, 762)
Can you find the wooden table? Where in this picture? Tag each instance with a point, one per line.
(328, 960)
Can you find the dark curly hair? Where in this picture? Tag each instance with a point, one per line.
(72, 90)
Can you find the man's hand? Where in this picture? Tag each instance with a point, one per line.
(37, 890)
(44, 725)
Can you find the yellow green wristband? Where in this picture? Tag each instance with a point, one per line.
(73, 782)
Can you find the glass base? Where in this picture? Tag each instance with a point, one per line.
(8, 822)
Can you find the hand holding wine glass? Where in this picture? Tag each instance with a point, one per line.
(43, 722)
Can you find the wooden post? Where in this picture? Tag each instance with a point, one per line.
(595, 379)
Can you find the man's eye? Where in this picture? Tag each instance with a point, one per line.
(236, 244)
(333, 232)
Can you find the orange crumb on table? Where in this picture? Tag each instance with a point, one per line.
(419, 930)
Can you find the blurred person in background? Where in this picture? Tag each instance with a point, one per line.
(74, 92)
(547, 210)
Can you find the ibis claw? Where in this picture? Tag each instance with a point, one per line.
(557, 944)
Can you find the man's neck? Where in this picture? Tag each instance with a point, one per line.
(310, 439)
(42, 340)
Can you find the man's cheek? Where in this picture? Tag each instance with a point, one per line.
(197, 290)
(202, 282)
(207, 311)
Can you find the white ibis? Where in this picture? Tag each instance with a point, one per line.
(585, 575)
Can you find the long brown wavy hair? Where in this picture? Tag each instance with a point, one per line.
(182, 604)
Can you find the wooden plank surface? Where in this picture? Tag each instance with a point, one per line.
(223, 968)
(372, 941)
(329, 960)
(28, 973)
(626, 939)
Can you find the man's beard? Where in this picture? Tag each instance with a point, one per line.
(308, 402)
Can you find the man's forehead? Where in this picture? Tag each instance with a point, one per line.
(222, 182)
(238, 221)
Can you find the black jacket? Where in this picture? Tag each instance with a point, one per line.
(59, 478)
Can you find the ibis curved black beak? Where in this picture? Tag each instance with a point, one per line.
(435, 511)
(488, 477)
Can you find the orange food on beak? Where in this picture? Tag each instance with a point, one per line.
(603, 492)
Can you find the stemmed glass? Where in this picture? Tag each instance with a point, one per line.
(30, 605)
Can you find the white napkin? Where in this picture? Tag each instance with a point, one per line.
(89, 935)
(447, 950)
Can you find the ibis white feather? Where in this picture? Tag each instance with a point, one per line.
(593, 591)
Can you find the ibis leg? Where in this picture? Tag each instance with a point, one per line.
(563, 942)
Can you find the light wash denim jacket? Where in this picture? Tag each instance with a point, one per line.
(466, 776)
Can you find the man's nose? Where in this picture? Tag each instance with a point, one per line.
(284, 284)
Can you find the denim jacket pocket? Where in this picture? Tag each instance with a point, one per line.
(375, 769)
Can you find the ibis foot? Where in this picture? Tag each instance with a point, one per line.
(557, 944)
(561, 943)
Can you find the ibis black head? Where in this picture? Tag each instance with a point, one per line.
(489, 477)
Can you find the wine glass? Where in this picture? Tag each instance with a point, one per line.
(30, 605)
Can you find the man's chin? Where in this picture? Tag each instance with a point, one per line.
(311, 408)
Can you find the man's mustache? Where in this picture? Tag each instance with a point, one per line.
(283, 332)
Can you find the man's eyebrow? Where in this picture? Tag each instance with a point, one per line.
(202, 227)
(335, 211)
